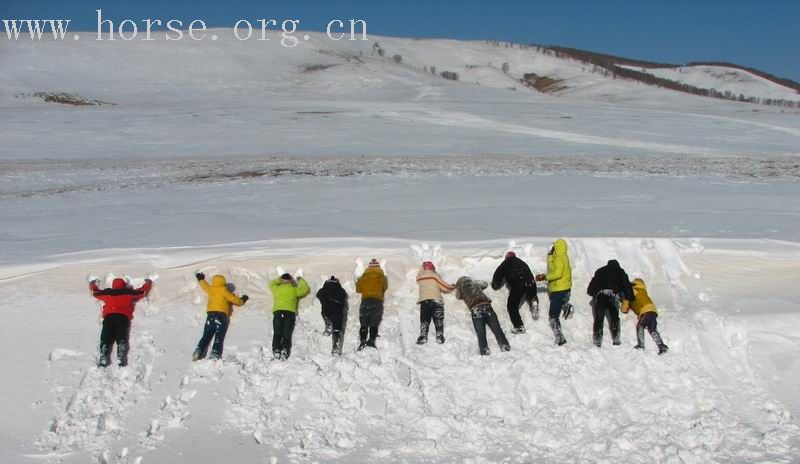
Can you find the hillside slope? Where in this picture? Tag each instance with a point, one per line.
(228, 98)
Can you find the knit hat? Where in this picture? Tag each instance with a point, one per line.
(333, 279)
(286, 277)
(119, 283)
(428, 266)
(374, 263)
(510, 254)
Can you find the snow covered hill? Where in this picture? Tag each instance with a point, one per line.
(228, 98)
(723, 393)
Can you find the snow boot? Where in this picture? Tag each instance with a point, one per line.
(336, 338)
(485, 352)
(555, 326)
(373, 335)
(567, 311)
(505, 347)
(639, 338)
(328, 326)
(284, 353)
(439, 324)
(105, 357)
(122, 354)
(423, 334)
(276, 355)
(535, 310)
(615, 339)
(662, 348)
(518, 330)
(214, 356)
(197, 355)
(362, 336)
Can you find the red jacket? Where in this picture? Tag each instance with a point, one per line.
(120, 299)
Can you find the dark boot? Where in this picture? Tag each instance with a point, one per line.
(423, 334)
(328, 326)
(616, 339)
(597, 339)
(439, 324)
(662, 348)
(535, 310)
(555, 326)
(373, 336)
(362, 336)
(105, 356)
(639, 338)
(122, 354)
(336, 350)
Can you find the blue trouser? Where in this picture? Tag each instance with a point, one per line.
(483, 315)
(216, 327)
(557, 302)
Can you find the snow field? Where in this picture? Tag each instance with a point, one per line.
(704, 401)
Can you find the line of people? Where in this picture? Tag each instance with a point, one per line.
(610, 289)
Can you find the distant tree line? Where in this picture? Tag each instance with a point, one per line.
(613, 66)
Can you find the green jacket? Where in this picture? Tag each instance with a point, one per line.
(559, 271)
(285, 297)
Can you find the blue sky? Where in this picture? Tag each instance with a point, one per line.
(763, 34)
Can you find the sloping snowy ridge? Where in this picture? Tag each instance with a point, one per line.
(722, 394)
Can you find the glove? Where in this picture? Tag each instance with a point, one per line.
(152, 277)
(245, 298)
(540, 277)
(626, 305)
(200, 276)
(298, 273)
(496, 286)
(93, 278)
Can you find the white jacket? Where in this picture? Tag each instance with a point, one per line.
(431, 286)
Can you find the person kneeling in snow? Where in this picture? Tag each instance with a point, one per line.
(119, 304)
(372, 286)
(286, 295)
(480, 306)
(431, 304)
(333, 299)
(219, 309)
(643, 307)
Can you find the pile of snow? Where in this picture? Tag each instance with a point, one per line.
(715, 397)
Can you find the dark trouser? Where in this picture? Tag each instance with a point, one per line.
(370, 315)
(116, 329)
(216, 327)
(431, 310)
(516, 295)
(483, 315)
(648, 321)
(282, 329)
(557, 302)
(334, 319)
(605, 306)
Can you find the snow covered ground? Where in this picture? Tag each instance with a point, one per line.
(240, 158)
(724, 393)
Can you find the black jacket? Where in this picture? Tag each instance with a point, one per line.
(332, 296)
(512, 272)
(611, 277)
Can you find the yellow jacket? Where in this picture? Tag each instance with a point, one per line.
(559, 271)
(220, 299)
(372, 284)
(641, 303)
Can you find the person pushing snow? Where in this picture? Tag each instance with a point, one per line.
(559, 287)
(515, 274)
(610, 289)
(286, 295)
(645, 309)
(372, 286)
(333, 299)
(480, 306)
(119, 302)
(431, 303)
(218, 315)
